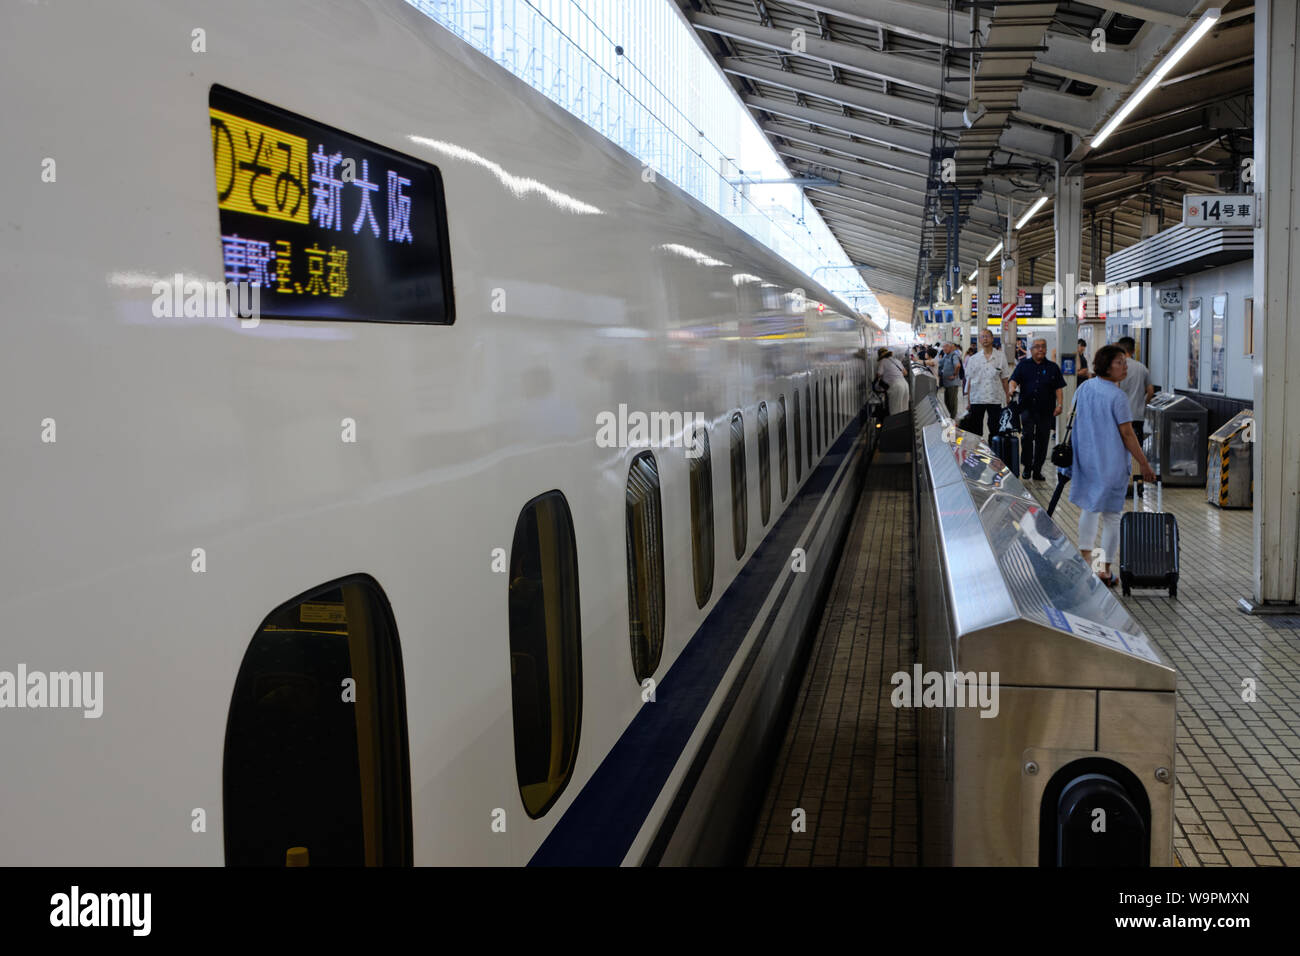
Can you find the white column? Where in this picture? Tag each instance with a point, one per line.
(1277, 341)
(1069, 250)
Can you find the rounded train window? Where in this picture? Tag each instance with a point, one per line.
(316, 771)
(764, 466)
(701, 467)
(798, 438)
(645, 565)
(545, 650)
(819, 416)
(782, 448)
(808, 422)
(739, 503)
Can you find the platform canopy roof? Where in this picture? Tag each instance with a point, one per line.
(865, 98)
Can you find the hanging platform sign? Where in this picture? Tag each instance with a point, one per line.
(1222, 212)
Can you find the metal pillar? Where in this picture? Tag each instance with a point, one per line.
(982, 294)
(1010, 290)
(1069, 259)
(1277, 340)
(963, 317)
(954, 245)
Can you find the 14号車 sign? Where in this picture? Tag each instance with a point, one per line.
(1220, 212)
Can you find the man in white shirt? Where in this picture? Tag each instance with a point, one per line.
(1138, 389)
(986, 377)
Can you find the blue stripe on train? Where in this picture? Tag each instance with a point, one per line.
(599, 826)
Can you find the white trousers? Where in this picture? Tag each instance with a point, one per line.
(1109, 521)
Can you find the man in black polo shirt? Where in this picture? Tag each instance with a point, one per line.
(1041, 384)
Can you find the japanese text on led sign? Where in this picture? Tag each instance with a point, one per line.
(327, 225)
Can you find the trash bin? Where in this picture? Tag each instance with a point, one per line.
(1176, 434)
(1230, 464)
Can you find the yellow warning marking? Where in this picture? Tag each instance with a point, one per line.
(259, 170)
(301, 630)
(322, 614)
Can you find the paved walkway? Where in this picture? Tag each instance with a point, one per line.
(849, 757)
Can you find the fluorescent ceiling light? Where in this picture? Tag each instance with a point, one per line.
(1208, 19)
(1042, 200)
(993, 252)
(973, 274)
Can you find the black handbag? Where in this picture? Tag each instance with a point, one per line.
(1063, 453)
(1009, 421)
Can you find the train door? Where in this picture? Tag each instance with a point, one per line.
(316, 769)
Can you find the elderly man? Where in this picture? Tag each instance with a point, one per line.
(986, 376)
(949, 370)
(1041, 386)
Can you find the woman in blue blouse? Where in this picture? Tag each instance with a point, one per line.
(1103, 438)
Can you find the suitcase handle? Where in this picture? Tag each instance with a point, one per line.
(1160, 497)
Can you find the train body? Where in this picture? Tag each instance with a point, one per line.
(378, 589)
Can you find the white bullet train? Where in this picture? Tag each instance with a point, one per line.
(353, 574)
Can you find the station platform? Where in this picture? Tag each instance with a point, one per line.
(849, 758)
(1237, 801)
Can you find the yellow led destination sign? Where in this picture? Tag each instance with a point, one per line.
(260, 170)
(325, 224)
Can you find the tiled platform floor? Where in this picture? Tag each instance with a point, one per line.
(1238, 796)
(849, 757)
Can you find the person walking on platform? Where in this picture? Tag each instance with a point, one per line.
(890, 371)
(1103, 439)
(949, 369)
(987, 374)
(1041, 387)
(1137, 386)
(965, 382)
(1081, 363)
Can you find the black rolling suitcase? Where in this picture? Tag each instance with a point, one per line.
(1006, 445)
(1148, 546)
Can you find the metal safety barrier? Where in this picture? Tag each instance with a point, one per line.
(1046, 716)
